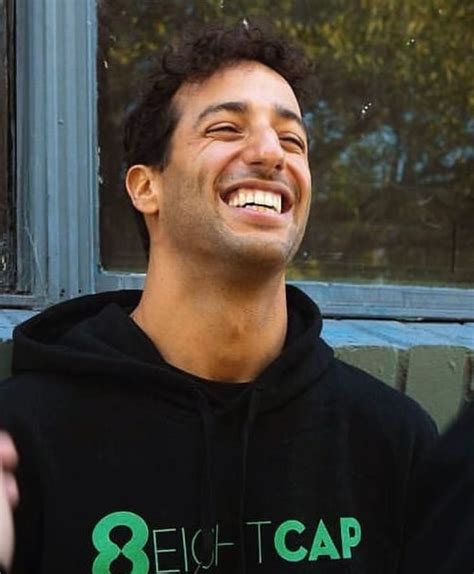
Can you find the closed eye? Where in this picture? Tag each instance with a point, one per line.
(293, 141)
(223, 128)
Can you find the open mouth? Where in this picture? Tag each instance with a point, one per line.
(257, 200)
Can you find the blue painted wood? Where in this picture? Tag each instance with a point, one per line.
(340, 333)
(9, 319)
(366, 333)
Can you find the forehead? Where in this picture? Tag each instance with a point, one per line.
(251, 83)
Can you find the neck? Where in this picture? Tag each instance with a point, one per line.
(215, 327)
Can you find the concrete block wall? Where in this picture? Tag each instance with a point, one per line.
(431, 362)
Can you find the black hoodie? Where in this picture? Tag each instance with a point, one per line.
(441, 537)
(131, 466)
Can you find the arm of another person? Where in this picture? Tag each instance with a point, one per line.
(8, 498)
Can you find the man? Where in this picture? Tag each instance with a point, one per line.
(203, 424)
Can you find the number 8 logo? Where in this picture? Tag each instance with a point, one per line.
(109, 551)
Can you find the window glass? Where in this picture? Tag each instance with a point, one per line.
(7, 235)
(393, 154)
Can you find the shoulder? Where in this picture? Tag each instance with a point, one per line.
(26, 396)
(389, 409)
(452, 460)
(18, 387)
(441, 537)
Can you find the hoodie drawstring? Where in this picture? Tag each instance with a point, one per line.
(208, 511)
(247, 427)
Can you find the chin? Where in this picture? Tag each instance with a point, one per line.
(264, 259)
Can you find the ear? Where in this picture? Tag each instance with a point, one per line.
(144, 188)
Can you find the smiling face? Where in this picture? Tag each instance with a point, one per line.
(236, 189)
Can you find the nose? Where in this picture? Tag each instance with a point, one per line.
(264, 149)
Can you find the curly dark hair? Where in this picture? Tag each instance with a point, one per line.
(201, 52)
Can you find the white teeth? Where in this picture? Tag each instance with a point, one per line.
(278, 203)
(269, 199)
(256, 200)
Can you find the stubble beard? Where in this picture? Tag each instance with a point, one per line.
(204, 241)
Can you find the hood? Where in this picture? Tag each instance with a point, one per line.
(93, 336)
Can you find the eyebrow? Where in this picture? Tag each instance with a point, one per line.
(236, 107)
(289, 115)
(242, 108)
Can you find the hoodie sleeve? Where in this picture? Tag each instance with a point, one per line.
(422, 438)
(15, 420)
(441, 539)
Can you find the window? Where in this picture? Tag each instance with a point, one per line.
(392, 158)
(393, 135)
(7, 185)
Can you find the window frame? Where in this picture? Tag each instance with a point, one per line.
(56, 151)
(7, 119)
(58, 192)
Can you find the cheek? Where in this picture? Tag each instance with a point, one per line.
(217, 156)
(307, 180)
(302, 176)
